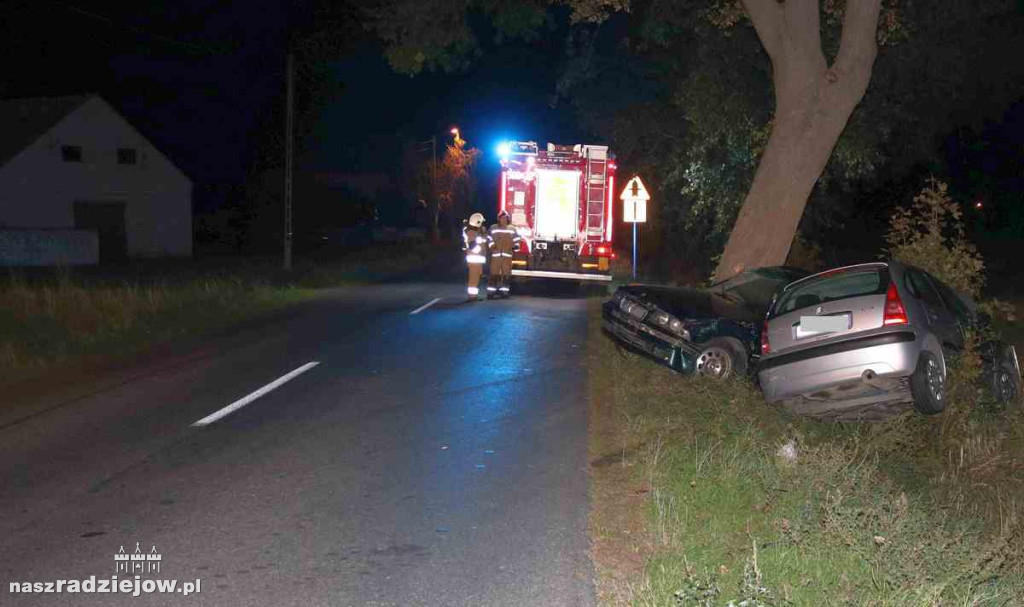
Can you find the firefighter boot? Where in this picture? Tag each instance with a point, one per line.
(473, 286)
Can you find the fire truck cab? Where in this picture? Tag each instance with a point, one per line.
(560, 201)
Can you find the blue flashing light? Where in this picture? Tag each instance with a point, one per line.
(504, 150)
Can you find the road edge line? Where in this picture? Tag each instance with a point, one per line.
(238, 404)
(425, 306)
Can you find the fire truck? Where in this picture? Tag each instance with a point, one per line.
(560, 201)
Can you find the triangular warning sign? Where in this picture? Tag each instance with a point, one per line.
(635, 191)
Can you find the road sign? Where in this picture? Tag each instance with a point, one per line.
(634, 201)
(636, 190)
(634, 211)
(634, 208)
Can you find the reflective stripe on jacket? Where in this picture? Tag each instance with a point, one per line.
(473, 240)
(502, 241)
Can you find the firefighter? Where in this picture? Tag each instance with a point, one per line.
(474, 237)
(502, 240)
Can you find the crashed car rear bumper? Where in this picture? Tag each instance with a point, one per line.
(835, 368)
(675, 353)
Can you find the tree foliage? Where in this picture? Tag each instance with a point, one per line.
(929, 233)
(456, 178)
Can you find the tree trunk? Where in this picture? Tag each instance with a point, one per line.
(813, 103)
(796, 155)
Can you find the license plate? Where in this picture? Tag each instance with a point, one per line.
(816, 325)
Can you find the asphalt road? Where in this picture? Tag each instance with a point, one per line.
(436, 458)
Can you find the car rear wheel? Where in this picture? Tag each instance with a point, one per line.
(720, 358)
(928, 385)
(1006, 381)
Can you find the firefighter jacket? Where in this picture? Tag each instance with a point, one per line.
(473, 241)
(502, 240)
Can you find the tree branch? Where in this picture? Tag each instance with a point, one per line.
(858, 48)
(802, 32)
(766, 15)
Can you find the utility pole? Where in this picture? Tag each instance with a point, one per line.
(437, 203)
(288, 169)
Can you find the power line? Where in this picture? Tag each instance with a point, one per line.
(191, 46)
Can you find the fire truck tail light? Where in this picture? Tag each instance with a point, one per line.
(610, 209)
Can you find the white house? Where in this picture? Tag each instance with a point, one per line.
(74, 163)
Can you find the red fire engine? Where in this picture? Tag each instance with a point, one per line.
(560, 201)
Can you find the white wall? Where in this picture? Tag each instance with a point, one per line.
(38, 188)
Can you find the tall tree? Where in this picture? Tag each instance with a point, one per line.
(813, 102)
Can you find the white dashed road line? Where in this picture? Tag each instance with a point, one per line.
(425, 306)
(238, 404)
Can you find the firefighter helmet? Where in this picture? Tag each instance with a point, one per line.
(503, 214)
(476, 220)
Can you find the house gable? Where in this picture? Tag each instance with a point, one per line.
(24, 121)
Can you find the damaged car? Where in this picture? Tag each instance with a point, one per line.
(713, 332)
(858, 340)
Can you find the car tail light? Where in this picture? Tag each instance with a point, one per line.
(895, 313)
(766, 347)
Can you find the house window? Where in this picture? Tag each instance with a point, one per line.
(126, 156)
(71, 153)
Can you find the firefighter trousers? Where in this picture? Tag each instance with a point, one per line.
(475, 271)
(501, 273)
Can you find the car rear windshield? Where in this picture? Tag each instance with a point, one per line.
(854, 282)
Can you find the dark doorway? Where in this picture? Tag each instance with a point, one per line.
(107, 218)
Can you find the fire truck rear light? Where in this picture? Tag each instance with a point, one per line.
(602, 250)
(518, 262)
(590, 265)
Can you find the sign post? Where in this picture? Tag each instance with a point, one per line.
(634, 208)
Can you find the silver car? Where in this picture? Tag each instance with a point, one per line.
(864, 337)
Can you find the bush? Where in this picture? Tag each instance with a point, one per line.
(930, 234)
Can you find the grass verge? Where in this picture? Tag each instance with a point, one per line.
(57, 318)
(738, 505)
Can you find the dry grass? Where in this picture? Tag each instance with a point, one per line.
(46, 325)
(50, 320)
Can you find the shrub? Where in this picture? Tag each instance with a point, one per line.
(930, 234)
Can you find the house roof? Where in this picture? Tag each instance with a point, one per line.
(23, 121)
